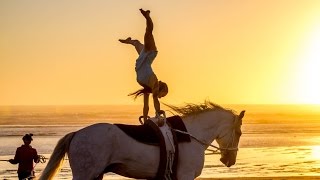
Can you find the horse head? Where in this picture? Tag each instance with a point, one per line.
(228, 141)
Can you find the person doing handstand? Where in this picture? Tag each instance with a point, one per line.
(145, 75)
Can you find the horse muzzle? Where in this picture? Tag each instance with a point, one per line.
(228, 158)
(227, 162)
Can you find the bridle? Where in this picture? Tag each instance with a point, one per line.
(230, 146)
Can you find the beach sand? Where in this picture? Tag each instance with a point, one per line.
(266, 178)
(275, 145)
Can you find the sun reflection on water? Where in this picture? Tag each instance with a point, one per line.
(316, 152)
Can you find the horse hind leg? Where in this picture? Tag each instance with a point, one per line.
(90, 151)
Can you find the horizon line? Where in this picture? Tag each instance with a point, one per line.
(139, 104)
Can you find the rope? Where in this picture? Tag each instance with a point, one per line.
(42, 159)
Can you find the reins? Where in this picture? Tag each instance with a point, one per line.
(198, 140)
(217, 149)
(210, 145)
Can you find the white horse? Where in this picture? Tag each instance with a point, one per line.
(102, 148)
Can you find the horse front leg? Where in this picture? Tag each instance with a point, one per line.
(190, 166)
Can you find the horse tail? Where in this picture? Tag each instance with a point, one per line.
(57, 157)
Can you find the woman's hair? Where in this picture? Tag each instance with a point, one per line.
(28, 137)
(140, 92)
(162, 87)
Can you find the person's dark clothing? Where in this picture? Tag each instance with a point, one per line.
(25, 156)
(25, 175)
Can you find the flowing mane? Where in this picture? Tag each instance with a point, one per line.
(194, 109)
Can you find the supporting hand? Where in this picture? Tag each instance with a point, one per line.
(161, 112)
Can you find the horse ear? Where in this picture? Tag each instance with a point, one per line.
(241, 114)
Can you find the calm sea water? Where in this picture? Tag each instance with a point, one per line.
(278, 140)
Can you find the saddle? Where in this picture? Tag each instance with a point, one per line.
(149, 133)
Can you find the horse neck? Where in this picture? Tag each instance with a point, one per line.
(206, 126)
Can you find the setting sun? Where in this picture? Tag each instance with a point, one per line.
(307, 84)
(316, 152)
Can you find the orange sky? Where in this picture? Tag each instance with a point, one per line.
(232, 51)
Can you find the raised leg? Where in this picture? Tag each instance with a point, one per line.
(145, 106)
(136, 43)
(149, 43)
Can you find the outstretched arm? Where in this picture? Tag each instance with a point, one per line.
(15, 160)
(149, 42)
(156, 102)
(155, 93)
(136, 43)
(145, 106)
(36, 157)
(12, 161)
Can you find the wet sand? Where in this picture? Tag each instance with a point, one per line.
(266, 178)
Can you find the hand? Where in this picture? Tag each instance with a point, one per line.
(160, 122)
(160, 112)
(38, 159)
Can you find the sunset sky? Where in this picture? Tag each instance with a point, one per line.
(229, 51)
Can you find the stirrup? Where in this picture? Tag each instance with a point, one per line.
(161, 112)
(140, 119)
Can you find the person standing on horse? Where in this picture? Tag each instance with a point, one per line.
(145, 75)
(25, 156)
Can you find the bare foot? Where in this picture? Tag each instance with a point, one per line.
(126, 41)
(145, 13)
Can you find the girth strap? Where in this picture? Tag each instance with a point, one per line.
(163, 152)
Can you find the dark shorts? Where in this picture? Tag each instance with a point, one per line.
(151, 84)
(25, 175)
(146, 87)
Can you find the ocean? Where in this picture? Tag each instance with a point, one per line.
(277, 140)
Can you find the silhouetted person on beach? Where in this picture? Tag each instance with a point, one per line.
(145, 75)
(25, 156)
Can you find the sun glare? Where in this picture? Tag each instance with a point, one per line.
(316, 152)
(307, 84)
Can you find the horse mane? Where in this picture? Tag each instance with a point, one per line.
(194, 109)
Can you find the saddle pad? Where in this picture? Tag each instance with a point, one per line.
(145, 134)
(175, 122)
